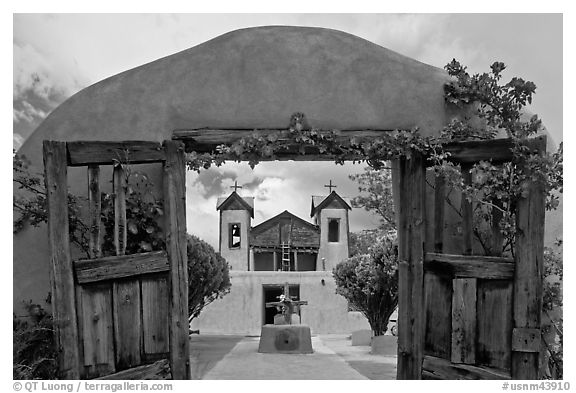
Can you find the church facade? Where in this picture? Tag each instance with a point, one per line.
(284, 249)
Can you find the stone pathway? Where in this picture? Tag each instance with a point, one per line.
(333, 359)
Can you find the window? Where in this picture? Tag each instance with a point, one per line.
(333, 230)
(234, 236)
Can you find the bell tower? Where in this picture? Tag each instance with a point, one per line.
(330, 213)
(236, 213)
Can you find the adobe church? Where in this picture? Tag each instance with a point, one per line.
(284, 249)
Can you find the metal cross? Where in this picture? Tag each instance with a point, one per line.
(235, 186)
(330, 186)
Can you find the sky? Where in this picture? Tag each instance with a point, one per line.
(56, 55)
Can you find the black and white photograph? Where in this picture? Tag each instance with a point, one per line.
(287, 196)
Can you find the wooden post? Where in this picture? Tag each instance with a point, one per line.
(120, 230)
(296, 260)
(529, 256)
(439, 203)
(275, 260)
(464, 321)
(412, 219)
(175, 213)
(94, 207)
(61, 272)
(467, 213)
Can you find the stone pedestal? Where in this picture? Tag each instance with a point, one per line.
(285, 339)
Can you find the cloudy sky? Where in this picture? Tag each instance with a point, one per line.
(56, 55)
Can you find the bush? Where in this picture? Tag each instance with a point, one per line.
(370, 283)
(34, 348)
(208, 276)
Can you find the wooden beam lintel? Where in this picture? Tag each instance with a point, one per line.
(108, 268)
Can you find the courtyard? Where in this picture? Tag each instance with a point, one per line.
(227, 357)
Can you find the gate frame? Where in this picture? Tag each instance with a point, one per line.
(529, 255)
(411, 205)
(57, 157)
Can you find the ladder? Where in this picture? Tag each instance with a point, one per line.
(285, 257)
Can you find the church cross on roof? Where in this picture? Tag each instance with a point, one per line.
(330, 186)
(235, 186)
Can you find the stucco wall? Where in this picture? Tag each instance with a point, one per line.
(334, 253)
(237, 258)
(241, 311)
(249, 78)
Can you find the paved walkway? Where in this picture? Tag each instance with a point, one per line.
(236, 358)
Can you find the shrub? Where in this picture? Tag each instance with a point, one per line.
(208, 276)
(370, 283)
(34, 348)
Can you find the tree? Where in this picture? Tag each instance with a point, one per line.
(362, 241)
(370, 283)
(208, 275)
(375, 186)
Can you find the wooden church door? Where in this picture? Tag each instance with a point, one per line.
(466, 316)
(125, 316)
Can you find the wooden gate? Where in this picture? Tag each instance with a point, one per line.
(126, 316)
(466, 316)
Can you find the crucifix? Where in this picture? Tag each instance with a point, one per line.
(235, 186)
(287, 305)
(330, 186)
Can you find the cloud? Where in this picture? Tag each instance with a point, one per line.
(211, 181)
(44, 74)
(28, 113)
(17, 141)
(276, 186)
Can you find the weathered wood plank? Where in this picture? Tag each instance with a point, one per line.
(467, 213)
(80, 312)
(438, 368)
(470, 266)
(495, 150)
(127, 323)
(61, 273)
(494, 323)
(157, 370)
(206, 140)
(438, 300)
(97, 330)
(439, 204)
(411, 271)
(155, 315)
(454, 258)
(120, 229)
(81, 153)
(175, 213)
(94, 209)
(529, 258)
(464, 321)
(109, 268)
(526, 340)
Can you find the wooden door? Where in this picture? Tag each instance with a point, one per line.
(466, 316)
(124, 316)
